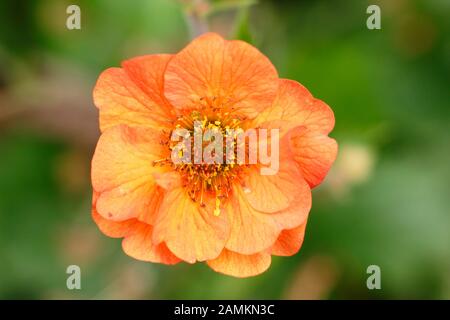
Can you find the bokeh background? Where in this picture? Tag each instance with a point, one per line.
(386, 201)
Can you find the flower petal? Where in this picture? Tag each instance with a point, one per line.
(137, 241)
(297, 213)
(239, 265)
(133, 95)
(115, 229)
(191, 232)
(122, 172)
(253, 231)
(227, 74)
(308, 121)
(314, 153)
(140, 246)
(168, 180)
(289, 242)
(272, 193)
(295, 106)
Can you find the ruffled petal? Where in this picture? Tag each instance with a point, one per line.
(272, 193)
(295, 106)
(140, 246)
(191, 232)
(230, 75)
(239, 265)
(122, 173)
(289, 242)
(252, 230)
(132, 95)
(308, 121)
(137, 241)
(115, 229)
(314, 154)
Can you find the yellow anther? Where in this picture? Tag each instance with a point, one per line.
(217, 209)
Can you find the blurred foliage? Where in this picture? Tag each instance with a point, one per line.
(385, 201)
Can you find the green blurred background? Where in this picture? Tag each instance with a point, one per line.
(386, 200)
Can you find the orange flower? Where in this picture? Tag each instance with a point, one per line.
(230, 216)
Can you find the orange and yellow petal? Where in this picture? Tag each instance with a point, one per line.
(240, 265)
(230, 75)
(298, 211)
(132, 95)
(289, 242)
(251, 231)
(308, 121)
(265, 206)
(122, 172)
(295, 106)
(115, 229)
(272, 193)
(168, 180)
(192, 232)
(140, 246)
(314, 154)
(137, 241)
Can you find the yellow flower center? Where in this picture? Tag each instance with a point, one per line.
(205, 179)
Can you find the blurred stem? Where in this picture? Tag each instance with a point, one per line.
(196, 13)
(197, 25)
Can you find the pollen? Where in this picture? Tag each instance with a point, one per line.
(217, 209)
(203, 181)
